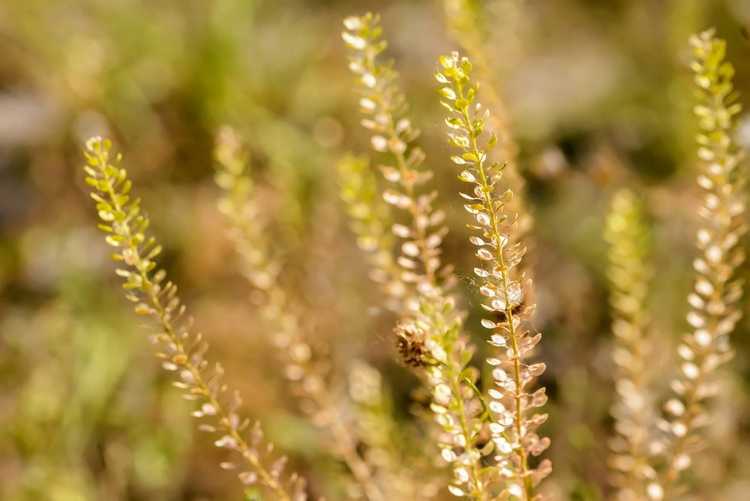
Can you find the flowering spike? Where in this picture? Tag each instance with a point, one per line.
(304, 371)
(506, 291)
(383, 106)
(628, 273)
(182, 351)
(713, 304)
(429, 335)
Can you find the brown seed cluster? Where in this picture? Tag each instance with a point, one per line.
(410, 343)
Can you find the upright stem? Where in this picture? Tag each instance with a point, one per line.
(406, 181)
(511, 327)
(692, 400)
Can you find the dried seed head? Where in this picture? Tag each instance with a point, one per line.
(410, 343)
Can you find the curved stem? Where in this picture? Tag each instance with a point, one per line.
(182, 358)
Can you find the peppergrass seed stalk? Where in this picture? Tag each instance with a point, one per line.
(306, 375)
(400, 472)
(713, 303)
(182, 351)
(384, 107)
(629, 275)
(429, 334)
(506, 292)
(467, 21)
(371, 223)
(463, 19)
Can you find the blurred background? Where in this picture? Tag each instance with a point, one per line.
(600, 97)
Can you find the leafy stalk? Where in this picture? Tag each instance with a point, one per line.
(371, 222)
(464, 18)
(506, 291)
(713, 303)
(182, 352)
(429, 334)
(629, 275)
(305, 374)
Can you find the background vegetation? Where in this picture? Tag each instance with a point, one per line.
(600, 97)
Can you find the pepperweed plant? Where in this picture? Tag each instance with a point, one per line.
(513, 423)
(713, 312)
(478, 399)
(307, 376)
(713, 303)
(371, 223)
(182, 351)
(384, 107)
(629, 275)
(429, 333)
(463, 19)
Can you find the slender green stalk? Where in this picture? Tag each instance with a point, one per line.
(629, 275)
(505, 289)
(384, 107)
(371, 222)
(182, 351)
(463, 18)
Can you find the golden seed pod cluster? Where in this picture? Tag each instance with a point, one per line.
(629, 275)
(182, 351)
(505, 290)
(429, 334)
(488, 431)
(457, 406)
